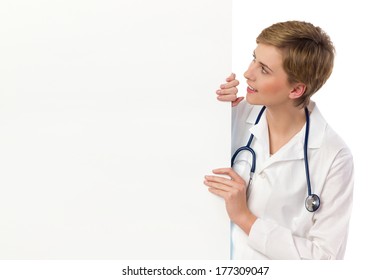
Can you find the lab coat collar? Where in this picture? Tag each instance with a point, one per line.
(317, 126)
(316, 133)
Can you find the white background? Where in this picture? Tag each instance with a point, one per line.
(108, 123)
(354, 100)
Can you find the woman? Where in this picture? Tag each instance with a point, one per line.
(291, 62)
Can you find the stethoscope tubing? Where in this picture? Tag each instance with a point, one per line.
(305, 152)
(247, 146)
(312, 202)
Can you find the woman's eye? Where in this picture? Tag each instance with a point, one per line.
(263, 70)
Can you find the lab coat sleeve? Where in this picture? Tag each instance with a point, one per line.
(326, 239)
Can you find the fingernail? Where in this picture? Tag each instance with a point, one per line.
(219, 91)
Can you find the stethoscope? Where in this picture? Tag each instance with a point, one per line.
(312, 202)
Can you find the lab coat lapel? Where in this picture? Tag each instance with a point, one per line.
(260, 133)
(293, 150)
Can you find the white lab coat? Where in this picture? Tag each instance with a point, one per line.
(284, 228)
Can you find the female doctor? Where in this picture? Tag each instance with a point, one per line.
(297, 203)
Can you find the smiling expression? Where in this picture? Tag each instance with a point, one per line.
(267, 81)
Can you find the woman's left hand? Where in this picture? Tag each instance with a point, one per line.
(233, 191)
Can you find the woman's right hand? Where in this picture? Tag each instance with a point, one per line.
(228, 91)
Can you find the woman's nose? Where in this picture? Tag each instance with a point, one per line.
(249, 72)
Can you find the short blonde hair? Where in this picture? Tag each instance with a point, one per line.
(308, 54)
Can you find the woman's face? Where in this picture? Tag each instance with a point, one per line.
(267, 81)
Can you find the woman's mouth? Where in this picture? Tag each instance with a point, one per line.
(250, 90)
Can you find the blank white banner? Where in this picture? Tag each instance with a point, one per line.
(108, 123)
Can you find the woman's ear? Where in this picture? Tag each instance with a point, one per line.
(297, 91)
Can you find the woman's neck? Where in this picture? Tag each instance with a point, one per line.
(283, 124)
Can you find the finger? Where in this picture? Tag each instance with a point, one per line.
(218, 186)
(231, 77)
(237, 101)
(230, 172)
(221, 180)
(226, 97)
(228, 91)
(230, 84)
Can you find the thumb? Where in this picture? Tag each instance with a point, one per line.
(237, 101)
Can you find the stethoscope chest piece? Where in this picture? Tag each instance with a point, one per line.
(312, 203)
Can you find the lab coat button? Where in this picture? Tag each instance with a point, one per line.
(262, 174)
